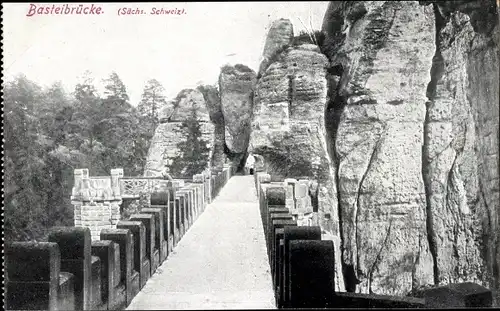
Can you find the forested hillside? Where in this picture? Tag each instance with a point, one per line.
(49, 133)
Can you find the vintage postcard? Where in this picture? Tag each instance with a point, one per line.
(251, 155)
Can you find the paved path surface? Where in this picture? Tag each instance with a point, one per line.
(220, 263)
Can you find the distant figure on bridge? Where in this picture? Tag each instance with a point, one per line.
(249, 165)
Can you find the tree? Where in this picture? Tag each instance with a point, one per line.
(194, 155)
(48, 134)
(20, 146)
(33, 179)
(115, 92)
(151, 101)
(116, 135)
(84, 123)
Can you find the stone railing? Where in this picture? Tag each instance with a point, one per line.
(297, 199)
(97, 199)
(302, 260)
(133, 187)
(73, 271)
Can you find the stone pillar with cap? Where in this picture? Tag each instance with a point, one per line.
(96, 200)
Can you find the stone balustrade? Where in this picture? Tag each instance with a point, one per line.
(302, 260)
(76, 271)
(97, 199)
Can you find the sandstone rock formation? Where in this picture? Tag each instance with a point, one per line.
(278, 37)
(394, 121)
(236, 85)
(165, 152)
(461, 168)
(224, 117)
(384, 60)
(413, 136)
(288, 126)
(213, 102)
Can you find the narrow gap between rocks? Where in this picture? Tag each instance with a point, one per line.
(436, 74)
(333, 113)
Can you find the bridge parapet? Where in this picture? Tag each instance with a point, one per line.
(306, 265)
(95, 188)
(132, 187)
(83, 268)
(97, 200)
(298, 197)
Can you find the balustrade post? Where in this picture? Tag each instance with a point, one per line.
(160, 242)
(140, 263)
(105, 250)
(161, 200)
(152, 252)
(181, 212)
(177, 219)
(289, 184)
(129, 279)
(208, 185)
(191, 205)
(198, 199)
(199, 181)
(116, 174)
(311, 274)
(34, 279)
(172, 214)
(277, 223)
(291, 233)
(75, 249)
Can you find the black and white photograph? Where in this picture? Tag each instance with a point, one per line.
(251, 155)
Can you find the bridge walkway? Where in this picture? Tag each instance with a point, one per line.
(220, 263)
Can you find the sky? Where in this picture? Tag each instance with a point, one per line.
(180, 51)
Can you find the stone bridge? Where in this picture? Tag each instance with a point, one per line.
(216, 241)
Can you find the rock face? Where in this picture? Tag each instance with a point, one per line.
(279, 36)
(288, 127)
(213, 102)
(181, 118)
(236, 85)
(288, 112)
(412, 127)
(222, 118)
(461, 162)
(383, 63)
